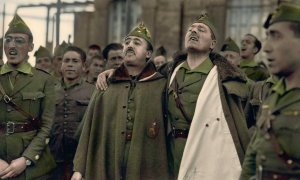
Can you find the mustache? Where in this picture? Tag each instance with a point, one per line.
(129, 50)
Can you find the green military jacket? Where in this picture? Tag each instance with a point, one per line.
(233, 91)
(108, 119)
(71, 103)
(254, 71)
(33, 91)
(281, 113)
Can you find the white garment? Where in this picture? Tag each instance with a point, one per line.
(210, 152)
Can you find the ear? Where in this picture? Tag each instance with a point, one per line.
(255, 50)
(148, 54)
(31, 46)
(213, 44)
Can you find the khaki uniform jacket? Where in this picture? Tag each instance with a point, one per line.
(101, 148)
(233, 91)
(34, 93)
(254, 71)
(281, 112)
(71, 104)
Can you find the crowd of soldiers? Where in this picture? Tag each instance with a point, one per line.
(203, 115)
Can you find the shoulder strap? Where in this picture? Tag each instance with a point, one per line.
(8, 100)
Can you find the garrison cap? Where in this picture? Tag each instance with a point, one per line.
(286, 11)
(142, 32)
(42, 52)
(60, 49)
(230, 45)
(17, 25)
(207, 21)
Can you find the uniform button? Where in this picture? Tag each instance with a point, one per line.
(65, 109)
(9, 110)
(66, 95)
(128, 110)
(263, 157)
(65, 116)
(275, 176)
(37, 157)
(65, 130)
(65, 122)
(131, 99)
(122, 132)
(206, 125)
(267, 136)
(47, 140)
(66, 102)
(124, 107)
(218, 119)
(289, 162)
(126, 86)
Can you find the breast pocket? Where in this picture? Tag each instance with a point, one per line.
(32, 101)
(82, 105)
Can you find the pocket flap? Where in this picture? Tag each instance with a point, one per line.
(83, 102)
(32, 95)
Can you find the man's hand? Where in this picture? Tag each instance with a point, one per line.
(76, 176)
(15, 168)
(102, 77)
(3, 165)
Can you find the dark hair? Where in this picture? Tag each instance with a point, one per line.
(111, 46)
(94, 46)
(100, 57)
(257, 42)
(78, 50)
(295, 27)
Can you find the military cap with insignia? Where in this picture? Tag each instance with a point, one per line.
(204, 18)
(17, 25)
(230, 45)
(142, 32)
(286, 11)
(60, 49)
(42, 52)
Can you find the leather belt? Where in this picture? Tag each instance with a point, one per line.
(128, 135)
(14, 127)
(180, 133)
(268, 175)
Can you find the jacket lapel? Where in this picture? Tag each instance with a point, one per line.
(22, 81)
(285, 101)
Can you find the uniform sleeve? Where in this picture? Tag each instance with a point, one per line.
(249, 163)
(47, 113)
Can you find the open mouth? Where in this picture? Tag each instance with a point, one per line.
(193, 38)
(130, 52)
(12, 52)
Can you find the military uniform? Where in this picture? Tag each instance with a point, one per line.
(280, 117)
(33, 91)
(189, 87)
(254, 71)
(71, 103)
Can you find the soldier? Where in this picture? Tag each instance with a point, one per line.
(57, 58)
(113, 55)
(160, 57)
(205, 95)
(274, 152)
(93, 50)
(120, 139)
(96, 66)
(73, 95)
(26, 109)
(231, 52)
(250, 46)
(43, 59)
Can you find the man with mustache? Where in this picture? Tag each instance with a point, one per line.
(123, 135)
(204, 110)
(27, 105)
(274, 151)
(72, 97)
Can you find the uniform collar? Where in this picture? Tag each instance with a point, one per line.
(75, 83)
(279, 87)
(24, 68)
(248, 63)
(204, 67)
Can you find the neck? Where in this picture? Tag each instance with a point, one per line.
(195, 59)
(70, 81)
(90, 79)
(251, 57)
(293, 80)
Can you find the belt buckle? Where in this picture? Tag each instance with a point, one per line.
(6, 99)
(10, 128)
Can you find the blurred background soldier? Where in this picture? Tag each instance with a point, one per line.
(113, 54)
(43, 59)
(160, 56)
(57, 58)
(231, 51)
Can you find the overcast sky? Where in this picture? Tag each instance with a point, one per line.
(35, 18)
